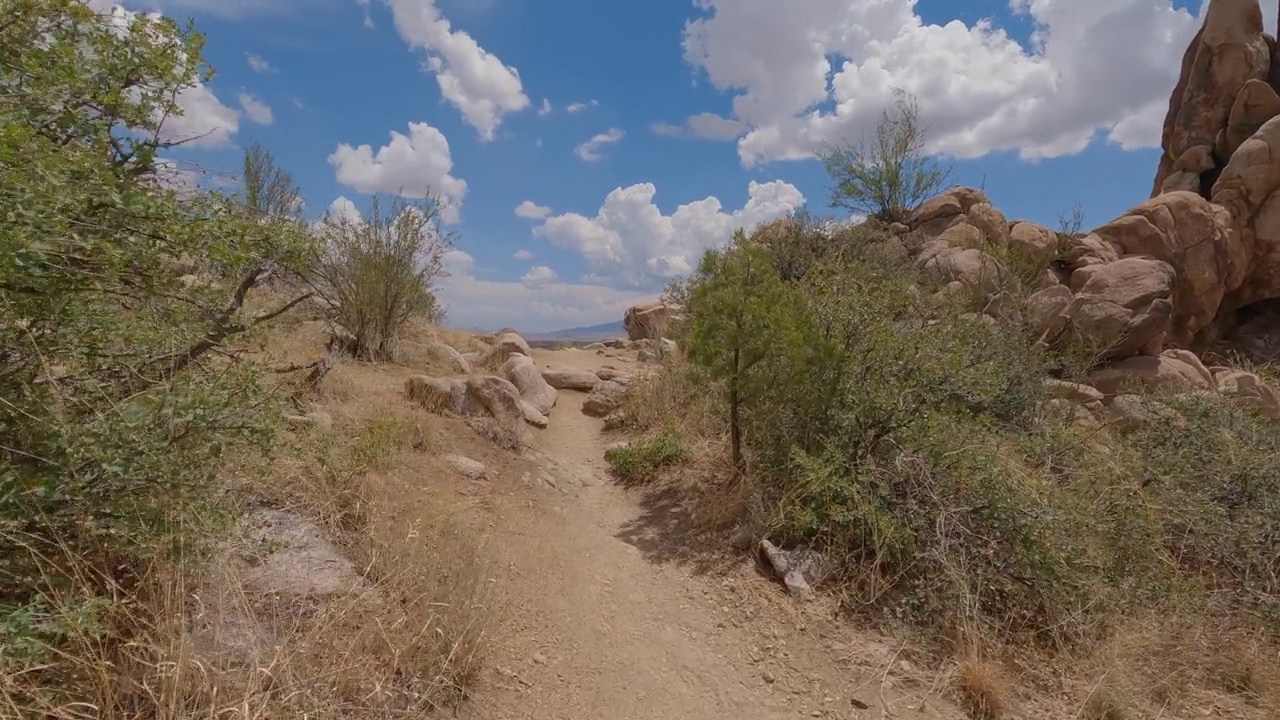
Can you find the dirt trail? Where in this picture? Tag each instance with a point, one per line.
(605, 620)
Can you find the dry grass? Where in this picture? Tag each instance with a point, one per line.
(193, 640)
(983, 688)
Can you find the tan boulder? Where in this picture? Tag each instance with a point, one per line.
(1032, 245)
(1228, 51)
(604, 399)
(975, 269)
(1047, 309)
(567, 378)
(651, 320)
(1256, 103)
(1171, 371)
(509, 342)
(1122, 308)
(1191, 235)
(533, 388)
(991, 223)
(1239, 383)
(439, 395)
(1246, 190)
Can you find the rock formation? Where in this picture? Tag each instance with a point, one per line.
(650, 320)
(1174, 274)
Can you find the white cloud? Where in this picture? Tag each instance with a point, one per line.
(342, 209)
(532, 211)
(411, 165)
(522, 254)
(539, 275)
(590, 150)
(545, 108)
(577, 107)
(257, 110)
(490, 304)
(709, 126)
(1094, 66)
(630, 241)
(259, 64)
(474, 80)
(204, 120)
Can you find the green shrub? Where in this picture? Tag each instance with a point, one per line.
(121, 386)
(906, 439)
(637, 462)
(380, 272)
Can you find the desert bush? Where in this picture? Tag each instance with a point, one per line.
(379, 272)
(888, 177)
(120, 380)
(636, 462)
(907, 440)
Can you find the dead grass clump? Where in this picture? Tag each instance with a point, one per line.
(1103, 703)
(983, 688)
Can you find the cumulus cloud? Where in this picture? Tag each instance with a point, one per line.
(539, 275)
(522, 254)
(708, 126)
(472, 79)
(342, 209)
(532, 211)
(807, 73)
(473, 302)
(412, 165)
(632, 243)
(545, 108)
(205, 121)
(591, 149)
(257, 110)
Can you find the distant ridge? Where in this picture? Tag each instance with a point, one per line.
(604, 331)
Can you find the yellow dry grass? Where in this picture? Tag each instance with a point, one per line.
(188, 640)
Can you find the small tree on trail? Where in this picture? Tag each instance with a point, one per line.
(741, 314)
(890, 176)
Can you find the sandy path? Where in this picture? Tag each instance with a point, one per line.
(603, 622)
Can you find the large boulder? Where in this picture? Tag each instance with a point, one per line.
(1229, 50)
(503, 401)
(524, 374)
(1171, 371)
(509, 342)
(439, 395)
(604, 399)
(650, 320)
(567, 378)
(1122, 308)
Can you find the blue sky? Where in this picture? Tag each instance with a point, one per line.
(1046, 102)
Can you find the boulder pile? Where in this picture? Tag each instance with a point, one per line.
(1169, 278)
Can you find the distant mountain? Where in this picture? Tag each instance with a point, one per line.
(605, 331)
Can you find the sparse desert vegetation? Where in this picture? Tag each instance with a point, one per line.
(245, 473)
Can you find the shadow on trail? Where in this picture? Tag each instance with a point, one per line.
(665, 532)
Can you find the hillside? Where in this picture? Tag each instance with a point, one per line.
(590, 333)
(943, 463)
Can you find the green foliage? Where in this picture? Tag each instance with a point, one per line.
(119, 389)
(910, 442)
(380, 271)
(886, 179)
(742, 318)
(637, 462)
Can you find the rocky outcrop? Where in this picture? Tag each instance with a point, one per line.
(478, 395)
(651, 320)
(1229, 51)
